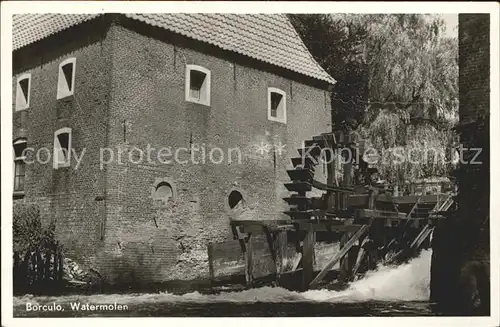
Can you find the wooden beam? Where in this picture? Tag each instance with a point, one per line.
(372, 198)
(346, 262)
(270, 242)
(249, 262)
(308, 257)
(359, 259)
(371, 213)
(210, 249)
(424, 233)
(415, 244)
(259, 222)
(357, 200)
(237, 236)
(297, 262)
(281, 246)
(327, 227)
(233, 229)
(259, 229)
(332, 188)
(339, 255)
(409, 199)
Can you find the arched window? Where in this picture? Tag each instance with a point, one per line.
(19, 165)
(235, 199)
(66, 78)
(163, 193)
(62, 148)
(23, 90)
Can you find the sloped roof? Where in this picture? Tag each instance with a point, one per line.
(269, 38)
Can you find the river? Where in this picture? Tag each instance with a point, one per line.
(388, 291)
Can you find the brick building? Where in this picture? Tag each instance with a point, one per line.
(460, 280)
(92, 93)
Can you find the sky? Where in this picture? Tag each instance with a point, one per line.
(451, 22)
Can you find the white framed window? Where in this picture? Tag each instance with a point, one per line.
(19, 165)
(66, 79)
(198, 84)
(276, 105)
(23, 91)
(62, 148)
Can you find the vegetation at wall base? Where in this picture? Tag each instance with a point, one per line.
(38, 256)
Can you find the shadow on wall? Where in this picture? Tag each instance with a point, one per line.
(140, 263)
(240, 208)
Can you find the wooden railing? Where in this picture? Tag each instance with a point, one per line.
(34, 269)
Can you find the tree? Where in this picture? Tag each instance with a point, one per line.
(397, 82)
(336, 46)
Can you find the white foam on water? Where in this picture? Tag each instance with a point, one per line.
(407, 282)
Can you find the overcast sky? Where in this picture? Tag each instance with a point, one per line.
(451, 21)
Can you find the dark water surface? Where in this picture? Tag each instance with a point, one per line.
(297, 309)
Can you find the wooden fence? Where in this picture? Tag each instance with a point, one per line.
(39, 268)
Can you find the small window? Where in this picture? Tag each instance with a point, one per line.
(66, 80)
(163, 193)
(62, 148)
(276, 105)
(235, 199)
(23, 89)
(19, 165)
(198, 84)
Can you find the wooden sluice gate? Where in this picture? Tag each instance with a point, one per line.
(366, 221)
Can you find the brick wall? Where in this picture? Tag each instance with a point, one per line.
(129, 93)
(474, 63)
(148, 107)
(66, 194)
(474, 180)
(474, 83)
(460, 259)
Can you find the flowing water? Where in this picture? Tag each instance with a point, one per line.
(388, 291)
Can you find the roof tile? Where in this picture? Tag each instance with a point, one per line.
(267, 38)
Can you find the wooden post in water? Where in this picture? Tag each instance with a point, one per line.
(249, 262)
(346, 262)
(281, 245)
(308, 257)
(210, 250)
(345, 265)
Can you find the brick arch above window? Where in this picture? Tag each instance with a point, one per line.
(163, 191)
